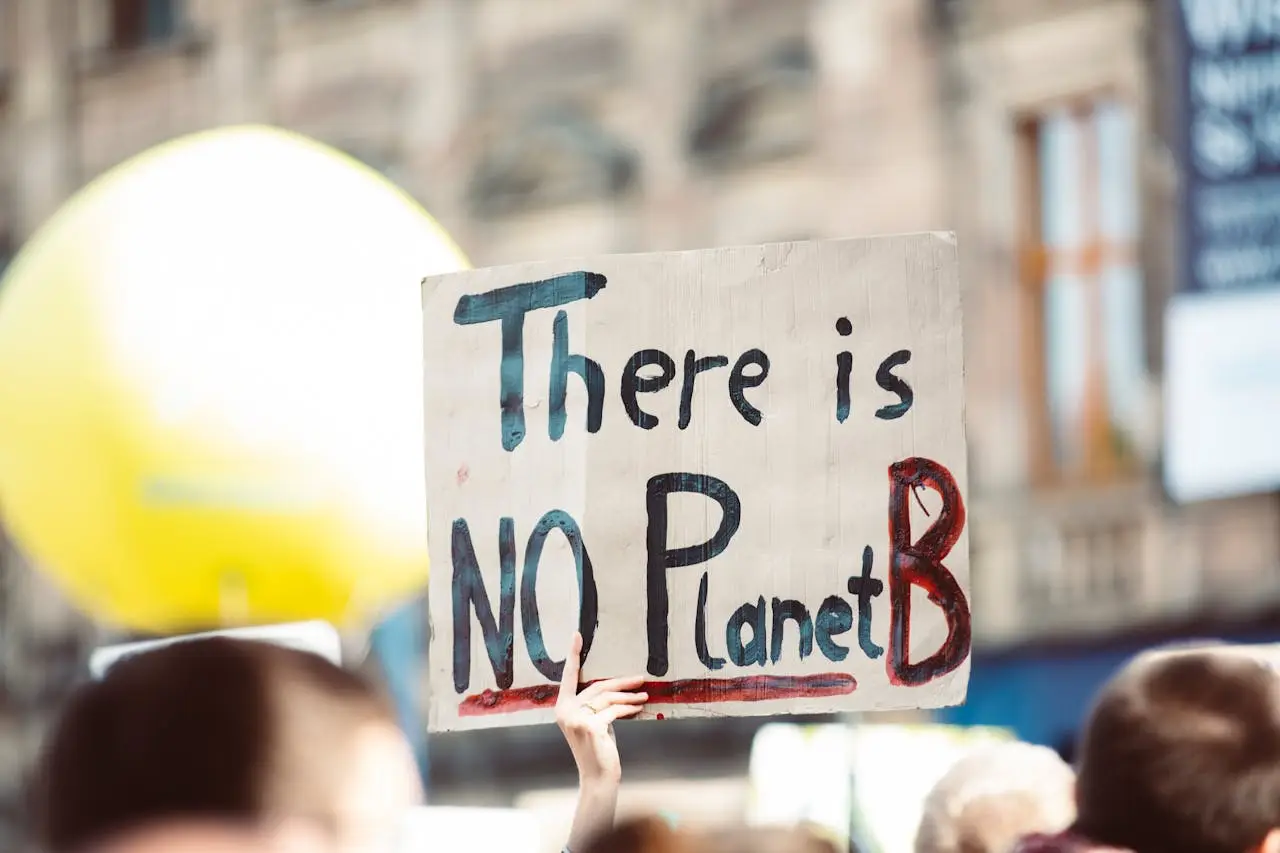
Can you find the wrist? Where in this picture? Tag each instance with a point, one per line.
(597, 805)
(599, 782)
(602, 780)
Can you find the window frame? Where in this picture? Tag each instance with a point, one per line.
(117, 44)
(1103, 464)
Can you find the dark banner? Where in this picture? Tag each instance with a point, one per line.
(1230, 142)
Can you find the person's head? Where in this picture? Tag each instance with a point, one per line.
(653, 835)
(231, 731)
(994, 796)
(193, 837)
(1181, 754)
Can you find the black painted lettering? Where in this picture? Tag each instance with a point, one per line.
(469, 594)
(661, 558)
(844, 367)
(633, 383)
(894, 384)
(509, 305)
(835, 617)
(588, 605)
(864, 588)
(739, 381)
(562, 364)
(692, 367)
(753, 652)
(700, 629)
(798, 613)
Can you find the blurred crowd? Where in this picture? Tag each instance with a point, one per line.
(215, 743)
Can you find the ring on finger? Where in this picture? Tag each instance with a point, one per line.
(594, 708)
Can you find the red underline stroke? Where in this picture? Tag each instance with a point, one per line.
(692, 691)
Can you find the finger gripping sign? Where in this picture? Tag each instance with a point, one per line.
(738, 472)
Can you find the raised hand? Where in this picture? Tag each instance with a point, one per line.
(587, 718)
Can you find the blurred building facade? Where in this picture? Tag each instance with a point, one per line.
(1037, 129)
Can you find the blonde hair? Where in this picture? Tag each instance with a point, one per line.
(993, 797)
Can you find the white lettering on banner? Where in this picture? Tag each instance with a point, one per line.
(1246, 209)
(1232, 119)
(1236, 83)
(1223, 268)
(1215, 25)
(739, 471)
(1223, 145)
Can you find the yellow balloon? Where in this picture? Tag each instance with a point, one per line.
(211, 386)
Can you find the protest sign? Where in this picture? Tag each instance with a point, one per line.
(740, 472)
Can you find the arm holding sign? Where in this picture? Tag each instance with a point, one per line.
(587, 718)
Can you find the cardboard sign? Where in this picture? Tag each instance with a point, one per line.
(739, 472)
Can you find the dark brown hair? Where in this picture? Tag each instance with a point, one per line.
(1181, 754)
(215, 728)
(653, 835)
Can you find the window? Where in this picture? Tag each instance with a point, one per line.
(139, 23)
(1084, 288)
(759, 112)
